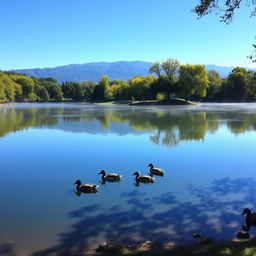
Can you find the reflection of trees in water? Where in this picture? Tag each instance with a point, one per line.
(215, 212)
(16, 119)
(170, 127)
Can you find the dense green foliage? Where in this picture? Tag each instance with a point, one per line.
(17, 87)
(167, 73)
(7, 87)
(170, 79)
(193, 80)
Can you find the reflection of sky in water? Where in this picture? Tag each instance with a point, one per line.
(210, 176)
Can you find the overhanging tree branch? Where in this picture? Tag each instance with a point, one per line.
(227, 9)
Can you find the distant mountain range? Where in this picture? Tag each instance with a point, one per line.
(93, 71)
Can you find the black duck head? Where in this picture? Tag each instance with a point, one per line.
(151, 165)
(78, 182)
(102, 172)
(136, 173)
(246, 211)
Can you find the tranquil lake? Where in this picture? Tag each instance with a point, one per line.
(208, 152)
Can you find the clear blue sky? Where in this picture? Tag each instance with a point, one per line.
(49, 33)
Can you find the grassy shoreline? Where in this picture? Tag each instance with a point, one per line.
(148, 248)
(174, 101)
(171, 102)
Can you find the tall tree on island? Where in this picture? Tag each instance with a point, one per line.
(156, 69)
(193, 79)
(167, 73)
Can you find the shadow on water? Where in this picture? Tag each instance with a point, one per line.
(214, 211)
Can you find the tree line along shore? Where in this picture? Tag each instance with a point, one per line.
(166, 80)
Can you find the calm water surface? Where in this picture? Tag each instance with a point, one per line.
(208, 153)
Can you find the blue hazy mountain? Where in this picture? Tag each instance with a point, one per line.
(93, 71)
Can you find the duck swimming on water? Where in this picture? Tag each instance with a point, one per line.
(155, 171)
(144, 178)
(86, 188)
(250, 219)
(110, 176)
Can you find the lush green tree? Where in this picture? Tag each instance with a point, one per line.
(78, 92)
(251, 86)
(37, 86)
(53, 88)
(2, 87)
(237, 84)
(88, 88)
(9, 91)
(164, 85)
(140, 86)
(43, 94)
(27, 83)
(99, 90)
(18, 91)
(215, 82)
(104, 82)
(156, 68)
(68, 90)
(171, 67)
(117, 90)
(193, 79)
(7, 87)
(109, 92)
(167, 73)
(55, 92)
(122, 83)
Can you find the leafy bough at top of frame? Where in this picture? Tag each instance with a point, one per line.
(227, 9)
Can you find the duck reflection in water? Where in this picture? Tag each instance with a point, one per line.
(85, 188)
(250, 219)
(137, 183)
